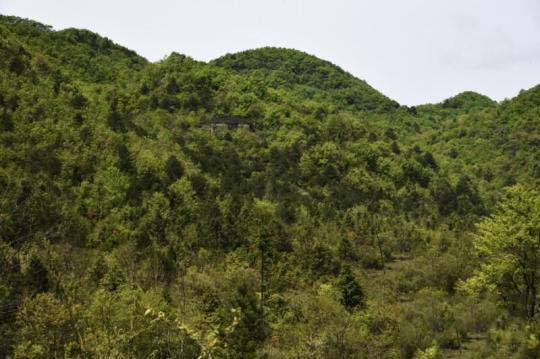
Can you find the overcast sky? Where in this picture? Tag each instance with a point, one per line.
(414, 51)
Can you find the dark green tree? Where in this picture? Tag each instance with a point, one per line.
(351, 291)
(37, 276)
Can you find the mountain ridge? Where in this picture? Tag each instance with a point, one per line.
(233, 61)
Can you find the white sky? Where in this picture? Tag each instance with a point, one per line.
(414, 51)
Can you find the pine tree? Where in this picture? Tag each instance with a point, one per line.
(352, 292)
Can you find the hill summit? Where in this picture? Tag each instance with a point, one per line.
(316, 78)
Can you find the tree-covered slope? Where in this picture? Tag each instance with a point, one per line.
(85, 54)
(137, 220)
(468, 101)
(496, 143)
(308, 75)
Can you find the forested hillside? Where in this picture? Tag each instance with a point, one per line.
(264, 205)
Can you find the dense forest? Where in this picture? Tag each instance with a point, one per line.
(266, 204)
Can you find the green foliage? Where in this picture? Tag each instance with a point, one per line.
(508, 245)
(267, 204)
(80, 52)
(468, 101)
(307, 76)
(36, 276)
(352, 293)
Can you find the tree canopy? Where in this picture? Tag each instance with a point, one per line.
(266, 204)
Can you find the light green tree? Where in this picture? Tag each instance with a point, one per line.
(433, 352)
(508, 245)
